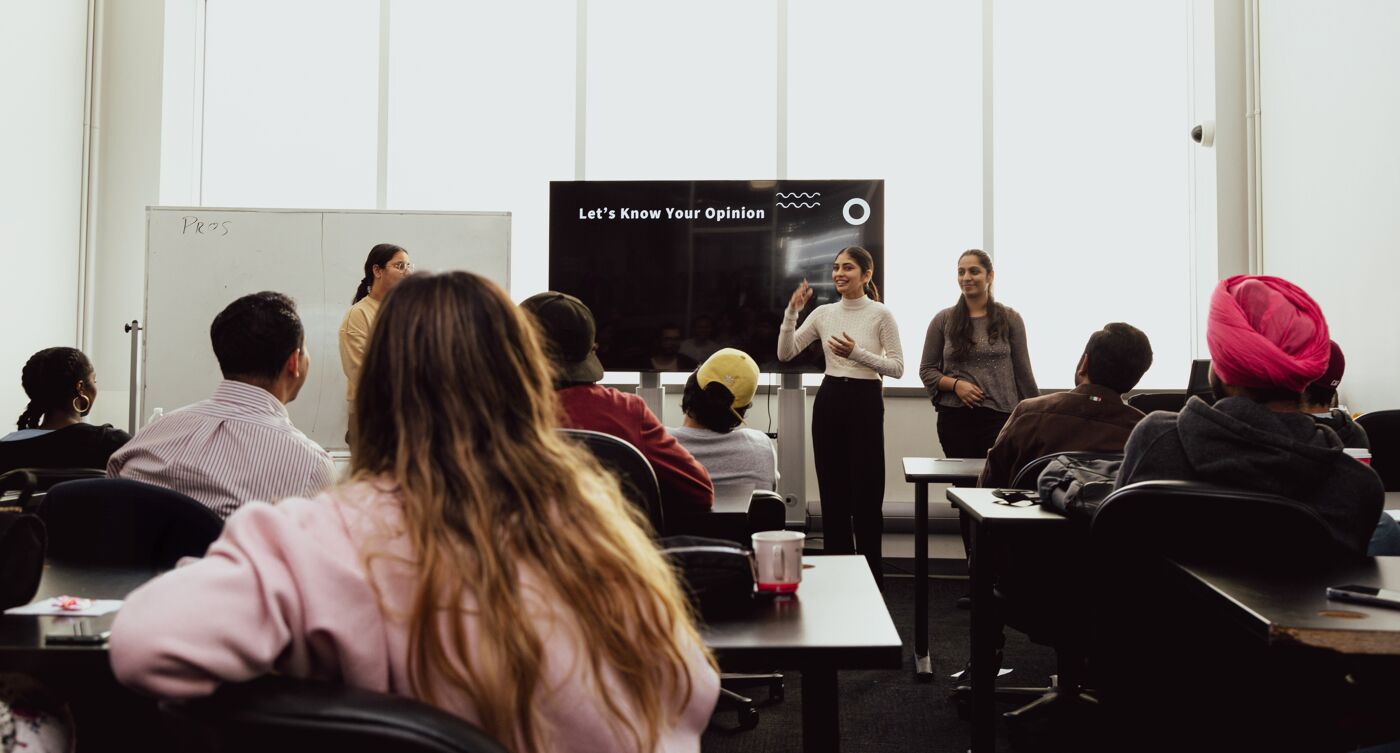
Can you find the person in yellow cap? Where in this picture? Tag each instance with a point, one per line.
(717, 395)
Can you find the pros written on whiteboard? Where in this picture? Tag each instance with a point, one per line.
(199, 259)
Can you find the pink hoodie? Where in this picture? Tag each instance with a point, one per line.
(285, 589)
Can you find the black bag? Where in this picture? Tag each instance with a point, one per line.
(1076, 488)
(23, 542)
(718, 574)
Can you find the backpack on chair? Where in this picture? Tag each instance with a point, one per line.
(1075, 488)
(23, 542)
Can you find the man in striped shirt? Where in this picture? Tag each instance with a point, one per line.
(239, 445)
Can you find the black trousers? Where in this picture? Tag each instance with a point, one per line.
(968, 433)
(848, 448)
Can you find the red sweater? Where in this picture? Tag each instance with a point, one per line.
(685, 485)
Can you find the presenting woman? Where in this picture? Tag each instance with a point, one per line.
(975, 364)
(385, 267)
(861, 343)
(476, 559)
(61, 387)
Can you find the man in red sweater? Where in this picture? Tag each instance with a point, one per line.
(570, 330)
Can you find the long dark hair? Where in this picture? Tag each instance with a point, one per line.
(379, 256)
(866, 262)
(49, 378)
(960, 323)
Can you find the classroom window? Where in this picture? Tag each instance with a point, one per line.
(680, 91)
(893, 90)
(290, 103)
(481, 115)
(1091, 178)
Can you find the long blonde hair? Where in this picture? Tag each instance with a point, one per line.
(455, 404)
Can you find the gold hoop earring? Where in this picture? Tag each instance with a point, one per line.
(87, 404)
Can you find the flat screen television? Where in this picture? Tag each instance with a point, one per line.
(674, 270)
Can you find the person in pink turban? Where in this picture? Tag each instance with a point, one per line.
(1268, 341)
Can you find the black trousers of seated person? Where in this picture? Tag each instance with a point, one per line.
(848, 448)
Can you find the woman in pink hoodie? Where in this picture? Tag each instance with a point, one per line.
(475, 559)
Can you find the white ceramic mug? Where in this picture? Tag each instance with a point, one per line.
(1360, 453)
(778, 557)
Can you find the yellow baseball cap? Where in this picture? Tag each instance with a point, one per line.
(734, 369)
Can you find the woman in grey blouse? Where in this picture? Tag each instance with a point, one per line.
(975, 365)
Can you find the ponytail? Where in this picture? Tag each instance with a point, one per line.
(363, 289)
(29, 419)
(872, 291)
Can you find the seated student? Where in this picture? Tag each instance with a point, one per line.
(1091, 418)
(1321, 395)
(1268, 341)
(238, 445)
(61, 387)
(716, 398)
(476, 560)
(1318, 400)
(569, 331)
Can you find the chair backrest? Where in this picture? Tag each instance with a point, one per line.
(1200, 522)
(120, 522)
(278, 714)
(1027, 477)
(31, 484)
(767, 511)
(1383, 431)
(1150, 401)
(632, 469)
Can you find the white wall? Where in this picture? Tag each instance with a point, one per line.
(42, 69)
(1330, 100)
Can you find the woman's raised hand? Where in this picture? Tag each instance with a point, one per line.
(800, 296)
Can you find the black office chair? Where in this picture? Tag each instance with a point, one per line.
(1029, 475)
(277, 714)
(1152, 649)
(29, 485)
(767, 511)
(1383, 431)
(1150, 401)
(120, 522)
(632, 469)
(1041, 603)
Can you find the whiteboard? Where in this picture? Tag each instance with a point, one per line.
(199, 259)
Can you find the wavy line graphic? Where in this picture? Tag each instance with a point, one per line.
(795, 195)
(807, 204)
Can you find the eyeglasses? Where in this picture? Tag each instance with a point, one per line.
(402, 266)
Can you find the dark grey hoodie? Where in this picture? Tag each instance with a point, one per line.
(1241, 443)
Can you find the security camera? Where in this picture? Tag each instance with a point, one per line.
(1204, 134)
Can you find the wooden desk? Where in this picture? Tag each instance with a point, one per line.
(837, 620)
(921, 472)
(989, 518)
(1292, 609)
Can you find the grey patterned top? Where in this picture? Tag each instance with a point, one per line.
(1002, 368)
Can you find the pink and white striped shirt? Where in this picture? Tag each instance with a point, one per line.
(235, 447)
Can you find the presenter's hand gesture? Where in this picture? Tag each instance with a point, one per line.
(969, 393)
(841, 344)
(800, 297)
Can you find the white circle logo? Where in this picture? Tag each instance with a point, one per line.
(864, 211)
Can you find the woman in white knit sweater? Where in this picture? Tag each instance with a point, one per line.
(861, 343)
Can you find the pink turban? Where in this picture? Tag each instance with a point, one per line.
(1265, 332)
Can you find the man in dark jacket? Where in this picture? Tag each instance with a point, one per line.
(1092, 417)
(1268, 341)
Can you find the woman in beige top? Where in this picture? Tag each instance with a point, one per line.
(385, 267)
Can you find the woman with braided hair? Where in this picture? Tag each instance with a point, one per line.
(386, 266)
(61, 389)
